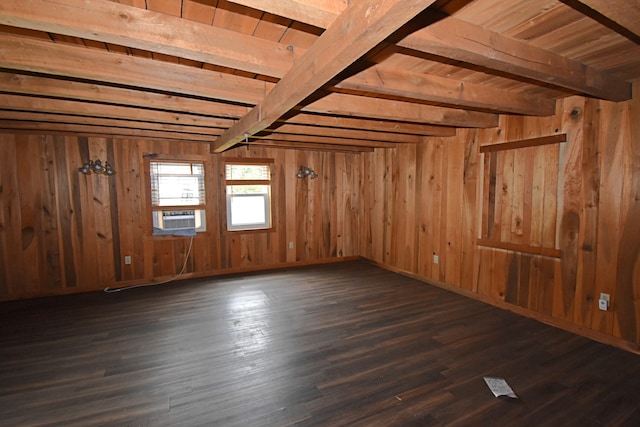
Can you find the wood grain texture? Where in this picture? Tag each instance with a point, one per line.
(346, 344)
(572, 201)
(64, 232)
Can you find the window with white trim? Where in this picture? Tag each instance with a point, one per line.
(177, 197)
(248, 190)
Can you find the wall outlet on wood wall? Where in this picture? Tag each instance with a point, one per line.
(127, 260)
(603, 302)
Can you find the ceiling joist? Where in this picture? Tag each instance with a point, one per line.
(360, 28)
(462, 41)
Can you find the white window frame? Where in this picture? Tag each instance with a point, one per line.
(161, 213)
(267, 224)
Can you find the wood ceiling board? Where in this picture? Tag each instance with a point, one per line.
(166, 7)
(198, 11)
(452, 38)
(301, 35)
(320, 14)
(236, 18)
(67, 61)
(142, 4)
(60, 106)
(162, 34)
(361, 27)
(558, 16)
(625, 13)
(272, 27)
(501, 16)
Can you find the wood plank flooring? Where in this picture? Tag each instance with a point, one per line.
(337, 345)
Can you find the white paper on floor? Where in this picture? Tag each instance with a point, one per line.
(499, 387)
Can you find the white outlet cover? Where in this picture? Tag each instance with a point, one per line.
(435, 259)
(603, 304)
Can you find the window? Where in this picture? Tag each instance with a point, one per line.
(177, 197)
(248, 188)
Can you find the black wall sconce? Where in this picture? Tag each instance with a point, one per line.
(304, 172)
(96, 166)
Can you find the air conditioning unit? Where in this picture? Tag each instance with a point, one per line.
(175, 220)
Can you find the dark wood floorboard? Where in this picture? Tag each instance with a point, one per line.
(346, 344)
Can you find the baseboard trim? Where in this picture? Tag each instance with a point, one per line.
(186, 276)
(543, 318)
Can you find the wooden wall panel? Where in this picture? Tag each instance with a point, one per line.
(580, 196)
(64, 232)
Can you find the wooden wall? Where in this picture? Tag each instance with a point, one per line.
(64, 232)
(580, 198)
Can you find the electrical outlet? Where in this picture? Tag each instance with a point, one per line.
(290, 245)
(603, 304)
(435, 259)
(605, 297)
(127, 260)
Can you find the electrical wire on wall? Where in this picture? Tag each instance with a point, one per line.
(184, 266)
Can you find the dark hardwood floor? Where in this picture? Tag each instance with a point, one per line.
(345, 344)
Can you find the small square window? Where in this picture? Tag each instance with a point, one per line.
(177, 197)
(248, 188)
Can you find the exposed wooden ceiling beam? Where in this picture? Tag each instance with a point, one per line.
(369, 124)
(113, 68)
(133, 27)
(409, 86)
(345, 105)
(324, 140)
(311, 146)
(18, 53)
(64, 128)
(77, 108)
(625, 13)
(130, 26)
(91, 92)
(357, 30)
(344, 133)
(99, 121)
(459, 40)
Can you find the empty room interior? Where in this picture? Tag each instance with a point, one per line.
(319, 212)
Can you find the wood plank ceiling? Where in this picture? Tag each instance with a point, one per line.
(313, 74)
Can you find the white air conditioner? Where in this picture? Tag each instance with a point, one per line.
(175, 220)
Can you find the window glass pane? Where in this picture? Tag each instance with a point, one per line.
(178, 191)
(177, 184)
(247, 172)
(248, 189)
(248, 210)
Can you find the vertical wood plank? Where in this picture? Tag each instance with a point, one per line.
(470, 210)
(587, 259)
(627, 290)
(570, 194)
(609, 233)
